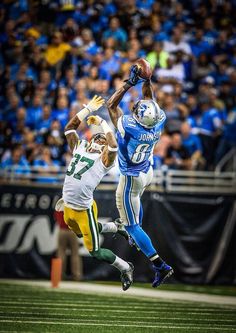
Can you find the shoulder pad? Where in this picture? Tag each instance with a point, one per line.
(129, 121)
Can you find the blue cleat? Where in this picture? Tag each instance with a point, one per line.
(161, 273)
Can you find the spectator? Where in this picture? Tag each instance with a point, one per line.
(177, 43)
(228, 139)
(158, 57)
(177, 156)
(46, 119)
(56, 50)
(117, 32)
(160, 151)
(67, 240)
(55, 140)
(198, 44)
(46, 167)
(110, 64)
(174, 72)
(210, 130)
(61, 112)
(16, 164)
(193, 144)
(90, 52)
(202, 67)
(34, 112)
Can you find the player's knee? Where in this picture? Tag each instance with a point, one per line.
(96, 254)
(133, 230)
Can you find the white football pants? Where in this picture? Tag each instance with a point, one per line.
(128, 196)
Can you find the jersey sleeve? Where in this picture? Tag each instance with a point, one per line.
(126, 125)
(120, 127)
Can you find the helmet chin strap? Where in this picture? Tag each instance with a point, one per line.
(95, 146)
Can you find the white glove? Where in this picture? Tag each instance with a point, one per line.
(95, 103)
(94, 120)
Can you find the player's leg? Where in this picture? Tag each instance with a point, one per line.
(108, 256)
(116, 227)
(128, 197)
(131, 204)
(87, 223)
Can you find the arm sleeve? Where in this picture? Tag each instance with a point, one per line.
(120, 127)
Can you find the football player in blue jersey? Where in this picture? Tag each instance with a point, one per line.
(136, 135)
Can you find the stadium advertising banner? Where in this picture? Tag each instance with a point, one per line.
(194, 234)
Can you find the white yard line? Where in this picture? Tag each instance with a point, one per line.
(199, 327)
(93, 288)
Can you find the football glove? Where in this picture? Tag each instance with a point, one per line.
(95, 103)
(94, 120)
(134, 77)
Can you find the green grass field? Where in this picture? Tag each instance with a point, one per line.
(37, 309)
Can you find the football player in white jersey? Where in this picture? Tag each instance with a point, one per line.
(89, 164)
(137, 135)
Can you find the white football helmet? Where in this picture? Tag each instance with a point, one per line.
(147, 113)
(97, 143)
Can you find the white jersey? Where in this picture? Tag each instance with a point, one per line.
(83, 175)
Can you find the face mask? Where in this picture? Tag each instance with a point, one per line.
(94, 146)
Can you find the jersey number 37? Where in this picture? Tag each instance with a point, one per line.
(78, 158)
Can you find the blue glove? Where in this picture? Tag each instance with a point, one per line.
(134, 77)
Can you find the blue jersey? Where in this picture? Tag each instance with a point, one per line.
(210, 122)
(136, 145)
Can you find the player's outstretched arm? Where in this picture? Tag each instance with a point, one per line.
(71, 127)
(109, 153)
(112, 104)
(114, 110)
(147, 90)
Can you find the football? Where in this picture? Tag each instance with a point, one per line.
(146, 71)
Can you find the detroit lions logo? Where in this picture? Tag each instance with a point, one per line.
(142, 109)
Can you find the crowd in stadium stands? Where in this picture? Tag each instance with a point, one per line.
(55, 55)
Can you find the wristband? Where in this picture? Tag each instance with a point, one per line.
(70, 131)
(112, 149)
(87, 107)
(82, 114)
(106, 128)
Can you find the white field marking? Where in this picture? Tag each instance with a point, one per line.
(136, 292)
(109, 300)
(100, 306)
(6, 314)
(116, 325)
(197, 313)
(159, 306)
(115, 308)
(122, 323)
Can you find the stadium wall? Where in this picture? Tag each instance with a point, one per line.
(194, 233)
